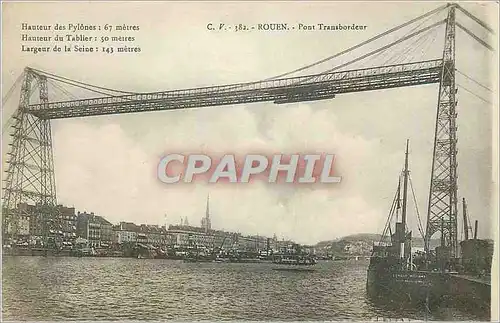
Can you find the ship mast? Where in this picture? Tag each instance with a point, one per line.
(405, 190)
(398, 201)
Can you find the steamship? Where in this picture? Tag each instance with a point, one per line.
(392, 272)
(293, 258)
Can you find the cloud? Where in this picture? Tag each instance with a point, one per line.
(104, 169)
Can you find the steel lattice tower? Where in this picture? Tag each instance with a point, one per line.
(442, 208)
(30, 175)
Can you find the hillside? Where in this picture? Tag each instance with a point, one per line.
(359, 244)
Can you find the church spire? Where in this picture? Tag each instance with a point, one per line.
(205, 222)
(207, 211)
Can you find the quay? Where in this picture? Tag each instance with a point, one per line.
(471, 291)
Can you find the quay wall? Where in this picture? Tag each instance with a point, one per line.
(471, 292)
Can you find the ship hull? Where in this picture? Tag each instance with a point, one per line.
(294, 268)
(198, 260)
(403, 286)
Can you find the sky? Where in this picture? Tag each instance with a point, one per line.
(107, 164)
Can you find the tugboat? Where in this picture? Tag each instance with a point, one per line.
(293, 259)
(392, 274)
(199, 255)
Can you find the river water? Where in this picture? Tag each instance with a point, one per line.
(57, 288)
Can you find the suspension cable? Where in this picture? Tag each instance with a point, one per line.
(361, 44)
(391, 213)
(55, 77)
(428, 14)
(470, 33)
(11, 90)
(409, 49)
(420, 227)
(477, 96)
(9, 121)
(473, 80)
(80, 86)
(476, 19)
(410, 31)
(378, 50)
(62, 89)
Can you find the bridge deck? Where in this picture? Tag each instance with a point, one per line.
(296, 89)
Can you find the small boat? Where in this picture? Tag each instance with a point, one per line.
(294, 269)
(221, 259)
(199, 257)
(293, 259)
(245, 260)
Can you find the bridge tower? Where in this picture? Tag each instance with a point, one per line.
(29, 189)
(442, 207)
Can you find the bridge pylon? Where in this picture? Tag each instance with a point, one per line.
(29, 204)
(442, 207)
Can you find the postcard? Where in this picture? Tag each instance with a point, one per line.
(249, 161)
